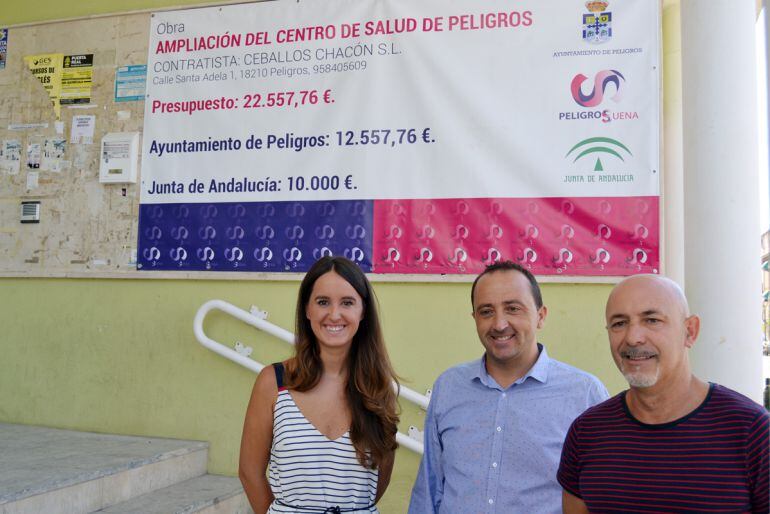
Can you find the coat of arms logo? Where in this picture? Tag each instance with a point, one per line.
(597, 24)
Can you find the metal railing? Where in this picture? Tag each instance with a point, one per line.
(260, 323)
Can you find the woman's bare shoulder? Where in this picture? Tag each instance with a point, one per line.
(266, 382)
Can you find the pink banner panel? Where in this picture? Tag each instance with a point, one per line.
(549, 236)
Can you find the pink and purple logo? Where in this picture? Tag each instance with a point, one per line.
(602, 82)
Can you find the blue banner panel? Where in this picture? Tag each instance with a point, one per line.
(269, 237)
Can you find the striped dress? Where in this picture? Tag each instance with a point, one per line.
(308, 472)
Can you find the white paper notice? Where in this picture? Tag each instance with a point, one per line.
(81, 156)
(82, 132)
(11, 156)
(34, 152)
(32, 179)
(53, 153)
(26, 126)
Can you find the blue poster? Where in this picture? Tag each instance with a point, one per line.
(3, 47)
(130, 83)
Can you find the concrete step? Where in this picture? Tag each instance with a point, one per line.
(207, 494)
(51, 471)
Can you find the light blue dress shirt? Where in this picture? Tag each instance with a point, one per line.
(496, 451)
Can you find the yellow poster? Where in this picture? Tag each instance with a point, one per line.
(76, 79)
(47, 68)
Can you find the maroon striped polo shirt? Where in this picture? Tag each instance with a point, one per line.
(715, 459)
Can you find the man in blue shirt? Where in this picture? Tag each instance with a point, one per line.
(495, 426)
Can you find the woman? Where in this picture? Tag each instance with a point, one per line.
(324, 422)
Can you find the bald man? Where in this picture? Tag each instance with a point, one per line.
(671, 442)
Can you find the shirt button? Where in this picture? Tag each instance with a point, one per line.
(499, 429)
(491, 501)
(494, 464)
(505, 394)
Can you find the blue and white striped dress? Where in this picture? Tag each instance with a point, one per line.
(310, 471)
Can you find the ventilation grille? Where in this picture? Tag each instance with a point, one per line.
(30, 212)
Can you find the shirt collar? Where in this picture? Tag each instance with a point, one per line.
(539, 371)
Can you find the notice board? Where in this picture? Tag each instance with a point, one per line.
(85, 228)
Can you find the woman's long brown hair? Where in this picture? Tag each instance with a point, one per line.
(369, 391)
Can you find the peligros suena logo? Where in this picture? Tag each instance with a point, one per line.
(607, 84)
(602, 81)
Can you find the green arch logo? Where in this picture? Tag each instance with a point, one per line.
(599, 145)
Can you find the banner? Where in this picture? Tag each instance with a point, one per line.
(412, 137)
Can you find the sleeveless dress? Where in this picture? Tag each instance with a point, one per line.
(310, 473)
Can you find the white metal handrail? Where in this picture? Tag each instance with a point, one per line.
(286, 336)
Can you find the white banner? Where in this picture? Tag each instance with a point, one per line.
(435, 136)
(397, 99)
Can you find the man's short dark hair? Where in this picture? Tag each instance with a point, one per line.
(512, 266)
